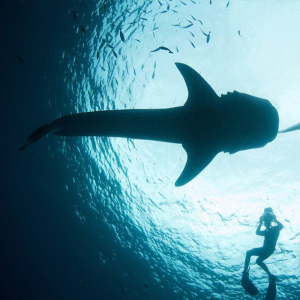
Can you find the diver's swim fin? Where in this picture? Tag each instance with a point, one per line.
(271, 292)
(248, 285)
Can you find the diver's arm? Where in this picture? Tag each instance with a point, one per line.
(258, 231)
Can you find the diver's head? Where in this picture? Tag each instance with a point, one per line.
(268, 216)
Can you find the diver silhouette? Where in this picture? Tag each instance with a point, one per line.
(271, 234)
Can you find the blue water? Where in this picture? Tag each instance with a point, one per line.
(100, 218)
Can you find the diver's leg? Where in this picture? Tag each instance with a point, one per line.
(260, 262)
(247, 284)
(249, 253)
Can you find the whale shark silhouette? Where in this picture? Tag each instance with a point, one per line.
(206, 125)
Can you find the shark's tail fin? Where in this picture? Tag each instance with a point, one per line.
(38, 134)
(292, 128)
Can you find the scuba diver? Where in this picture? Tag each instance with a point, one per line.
(271, 234)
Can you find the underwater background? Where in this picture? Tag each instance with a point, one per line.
(100, 218)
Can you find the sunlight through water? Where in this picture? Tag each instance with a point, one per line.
(194, 237)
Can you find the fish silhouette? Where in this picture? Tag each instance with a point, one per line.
(207, 36)
(122, 35)
(162, 48)
(205, 125)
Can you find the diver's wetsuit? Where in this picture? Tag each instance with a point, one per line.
(271, 235)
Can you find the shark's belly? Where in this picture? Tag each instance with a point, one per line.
(148, 124)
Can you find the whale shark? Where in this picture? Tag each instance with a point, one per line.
(205, 125)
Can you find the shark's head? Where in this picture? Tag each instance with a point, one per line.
(256, 122)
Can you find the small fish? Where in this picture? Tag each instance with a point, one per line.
(83, 284)
(115, 54)
(162, 48)
(178, 25)
(110, 46)
(123, 288)
(164, 11)
(183, 2)
(82, 29)
(174, 11)
(122, 35)
(104, 8)
(102, 68)
(146, 286)
(144, 19)
(239, 32)
(200, 22)
(103, 42)
(99, 255)
(210, 2)
(74, 16)
(207, 36)
(192, 34)
(193, 2)
(192, 44)
(177, 49)
(168, 7)
(227, 4)
(20, 59)
(159, 3)
(187, 26)
(137, 40)
(155, 28)
(100, 47)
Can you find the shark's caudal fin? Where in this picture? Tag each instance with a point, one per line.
(200, 94)
(292, 128)
(38, 134)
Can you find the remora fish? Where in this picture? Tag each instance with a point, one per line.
(206, 125)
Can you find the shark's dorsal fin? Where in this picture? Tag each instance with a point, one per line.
(198, 157)
(200, 92)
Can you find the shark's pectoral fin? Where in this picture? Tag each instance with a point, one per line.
(198, 157)
(200, 92)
